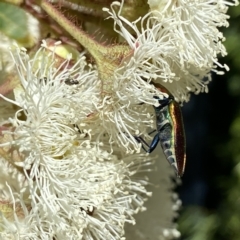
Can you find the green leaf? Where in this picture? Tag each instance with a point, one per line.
(13, 21)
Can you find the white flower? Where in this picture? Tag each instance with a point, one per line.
(87, 194)
(33, 29)
(176, 46)
(6, 63)
(77, 185)
(195, 28)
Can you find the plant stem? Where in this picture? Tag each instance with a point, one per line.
(107, 58)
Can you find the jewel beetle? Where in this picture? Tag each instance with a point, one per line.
(170, 131)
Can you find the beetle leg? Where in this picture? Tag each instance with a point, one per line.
(153, 144)
(152, 132)
(141, 140)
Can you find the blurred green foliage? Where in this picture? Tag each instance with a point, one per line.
(13, 21)
(222, 222)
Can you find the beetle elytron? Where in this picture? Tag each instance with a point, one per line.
(170, 132)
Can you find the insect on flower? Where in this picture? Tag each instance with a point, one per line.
(70, 81)
(170, 132)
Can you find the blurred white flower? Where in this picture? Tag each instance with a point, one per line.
(6, 63)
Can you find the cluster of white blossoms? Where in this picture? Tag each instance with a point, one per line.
(68, 154)
(73, 183)
(177, 45)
